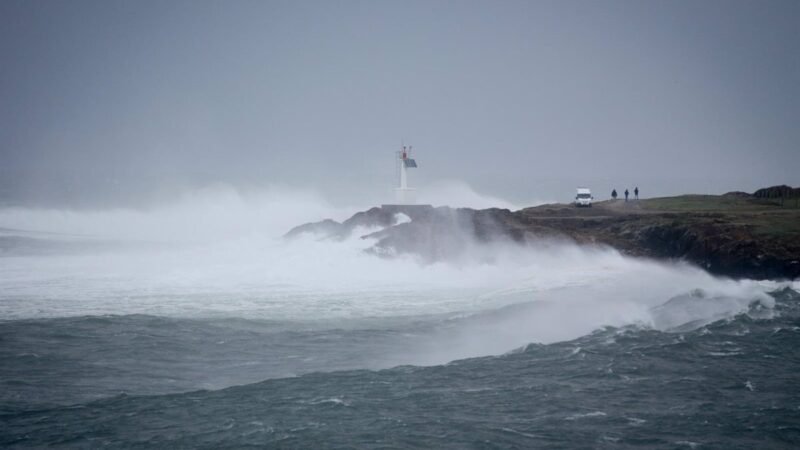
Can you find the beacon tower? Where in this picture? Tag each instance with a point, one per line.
(404, 195)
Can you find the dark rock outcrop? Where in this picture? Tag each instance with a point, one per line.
(758, 240)
(782, 191)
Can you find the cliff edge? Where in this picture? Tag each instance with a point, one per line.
(736, 235)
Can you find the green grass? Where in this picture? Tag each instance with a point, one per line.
(779, 225)
(766, 216)
(718, 203)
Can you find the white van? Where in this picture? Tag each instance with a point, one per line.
(584, 197)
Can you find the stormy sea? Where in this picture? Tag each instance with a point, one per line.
(198, 326)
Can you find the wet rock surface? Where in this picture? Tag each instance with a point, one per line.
(736, 236)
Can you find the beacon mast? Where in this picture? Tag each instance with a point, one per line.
(404, 195)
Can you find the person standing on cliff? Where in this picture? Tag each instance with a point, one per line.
(626, 194)
(636, 192)
(614, 194)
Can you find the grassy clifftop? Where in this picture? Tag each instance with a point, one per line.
(699, 203)
(733, 235)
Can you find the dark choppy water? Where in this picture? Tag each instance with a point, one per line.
(127, 381)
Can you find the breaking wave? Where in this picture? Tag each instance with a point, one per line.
(219, 254)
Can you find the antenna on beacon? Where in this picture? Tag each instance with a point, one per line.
(405, 195)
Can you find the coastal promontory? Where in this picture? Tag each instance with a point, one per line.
(738, 235)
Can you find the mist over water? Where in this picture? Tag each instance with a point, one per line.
(203, 298)
(212, 214)
(218, 253)
(154, 154)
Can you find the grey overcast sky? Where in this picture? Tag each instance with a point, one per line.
(120, 100)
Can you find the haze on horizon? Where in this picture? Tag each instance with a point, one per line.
(116, 103)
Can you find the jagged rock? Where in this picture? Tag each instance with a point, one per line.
(782, 191)
(325, 228)
(735, 236)
(737, 194)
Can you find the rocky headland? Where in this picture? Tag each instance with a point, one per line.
(739, 235)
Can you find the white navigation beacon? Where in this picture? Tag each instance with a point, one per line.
(404, 195)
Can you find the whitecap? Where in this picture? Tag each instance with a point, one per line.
(586, 415)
